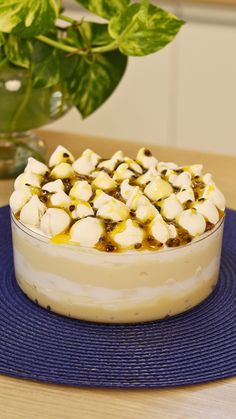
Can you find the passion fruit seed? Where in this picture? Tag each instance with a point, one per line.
(147, 152)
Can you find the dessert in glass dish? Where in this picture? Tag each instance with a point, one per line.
(116, 240)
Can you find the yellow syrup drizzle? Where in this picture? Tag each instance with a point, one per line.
(60, 239)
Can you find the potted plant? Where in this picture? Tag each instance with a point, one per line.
(47, 67)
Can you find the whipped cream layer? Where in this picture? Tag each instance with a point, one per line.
(116, 204)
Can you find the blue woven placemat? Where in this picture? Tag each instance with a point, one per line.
(195, 347)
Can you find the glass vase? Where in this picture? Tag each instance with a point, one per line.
(23, 108)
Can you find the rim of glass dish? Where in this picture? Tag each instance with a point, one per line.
(45, 239)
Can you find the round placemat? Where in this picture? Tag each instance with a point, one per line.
(191, 348)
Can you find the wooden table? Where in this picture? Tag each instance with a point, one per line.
(21, 399)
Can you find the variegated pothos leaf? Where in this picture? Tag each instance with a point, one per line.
(94, 80)
(143, 29)
(95, 33)
(18, 51)
(27, 18)
(88, 34)
(45, 65)
(104, 8)
(2, 53)
(2, 39)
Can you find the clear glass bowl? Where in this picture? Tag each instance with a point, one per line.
(116, 288)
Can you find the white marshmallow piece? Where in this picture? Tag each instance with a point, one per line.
(127, 234)
(28, 178)
(107, 164)
(196, 169)
(162, 165)
(104, 181)
(118, 156)
(87, 231)
(83, 209)
(193, 222)
(101, 198)
(208, 210)
(122, 172)
(86, 163)
(171, 207)
(54, 186)
(62, 171)
(19, 198)
(146, 212)
(111, 163)
(158, 189)
(150, 175)
(32, 212)
(136, 198)
(183, 180)
(185, 194)
(114, 210)
(172, 231)
(36, 167)
(60, 155)
(133, 165)
(54, 221)
(81, 190)
(207, 178)
(145, 160)
(126, 189)
(60, 199)
(215, 195)
(159, 230)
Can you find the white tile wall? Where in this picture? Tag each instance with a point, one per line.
(182, 96)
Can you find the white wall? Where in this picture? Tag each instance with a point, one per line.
(206, 104)
(182, 96)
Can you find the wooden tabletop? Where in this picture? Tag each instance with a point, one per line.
(22, 399)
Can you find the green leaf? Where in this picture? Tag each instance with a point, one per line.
(27, 18)
(18, 51)
(45, 65)
(67, 64)
(87, 34)
(143, 29)
(95, 33)
(2, 39)
(2, 52)
(104, 8)
(74, 37)
(2, 55)
(94, 80)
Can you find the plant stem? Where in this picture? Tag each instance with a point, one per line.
(60, 45)
(23, 105)
(105, 48)
(110, 47)
(67, 19)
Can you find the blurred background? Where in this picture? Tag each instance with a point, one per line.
(184, 95)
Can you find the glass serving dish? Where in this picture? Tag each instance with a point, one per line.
(126, 287)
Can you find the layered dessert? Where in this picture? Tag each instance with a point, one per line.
(118, 239)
